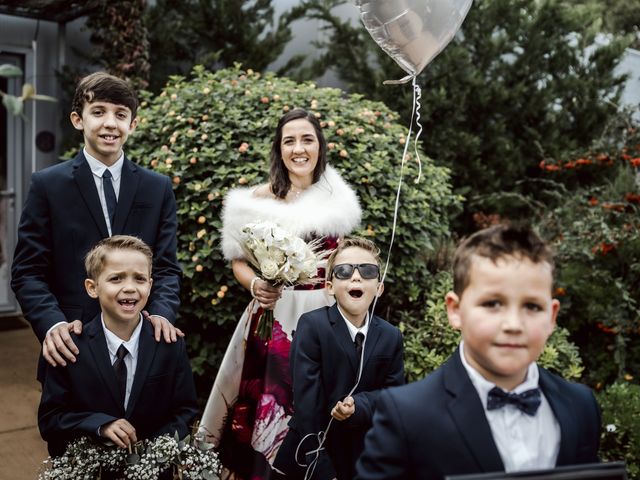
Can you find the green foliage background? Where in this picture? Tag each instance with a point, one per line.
(620, 439)
(213, 132)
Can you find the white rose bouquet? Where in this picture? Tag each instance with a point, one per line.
(87, 459)
(281, 257)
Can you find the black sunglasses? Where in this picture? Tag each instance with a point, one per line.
(344, 271)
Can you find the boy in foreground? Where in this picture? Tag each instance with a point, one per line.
(489, 408)
(125, 386)
(330, 347)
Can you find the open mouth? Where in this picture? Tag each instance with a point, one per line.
(128, 303)
(109, 138)
(299, 160)
(355, 293)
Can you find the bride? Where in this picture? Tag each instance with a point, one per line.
(250, 403)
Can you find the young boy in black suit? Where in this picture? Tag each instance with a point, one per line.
(71, 206)
(334, 350)
(490, 407)
(125, 386)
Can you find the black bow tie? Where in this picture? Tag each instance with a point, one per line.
(528, 402)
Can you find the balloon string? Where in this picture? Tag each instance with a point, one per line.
(416, 91)
(417, 96)
(322, 435)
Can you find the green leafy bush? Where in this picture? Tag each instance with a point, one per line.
(213, 132)
(429, 343)
(594, 229)
(620, 440)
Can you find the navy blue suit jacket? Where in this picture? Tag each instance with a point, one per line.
(324, 369)
(437, 426)
(79, 398)
(62, 220)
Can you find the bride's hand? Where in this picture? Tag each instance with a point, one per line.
(266, 293)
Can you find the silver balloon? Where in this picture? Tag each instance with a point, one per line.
(412, 32)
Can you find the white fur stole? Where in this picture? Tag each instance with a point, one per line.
(328, 207)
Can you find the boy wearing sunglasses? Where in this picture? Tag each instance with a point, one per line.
(340, 358)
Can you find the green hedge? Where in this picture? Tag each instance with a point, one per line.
(213, 132)
(620, 440)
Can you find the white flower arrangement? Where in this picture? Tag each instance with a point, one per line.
(88, 460)
(281, 257)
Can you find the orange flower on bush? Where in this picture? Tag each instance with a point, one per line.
(604, 248)
(635, 162)
(583, 161)
(560, 292)
(604, 328)
(632, 198)
(618, 207)
(593, 201)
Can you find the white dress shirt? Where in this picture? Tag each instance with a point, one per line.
(131, 360)
(98, 168)
(353, 330)
(524, 442)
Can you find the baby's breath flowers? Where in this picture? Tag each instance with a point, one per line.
(146, 460)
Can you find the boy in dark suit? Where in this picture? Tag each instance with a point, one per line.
(489, 408)
(73, 205)
(341, 356)
(125, 386)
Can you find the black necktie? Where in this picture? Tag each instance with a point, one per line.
(528, 402)
(120, 369)
(109, 195)
(358, 343)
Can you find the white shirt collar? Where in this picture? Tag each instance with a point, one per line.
(353, 330)
(98, 168)
(482, 385)
(114, 342)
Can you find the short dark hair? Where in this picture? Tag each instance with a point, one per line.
(97, 256)
(278, 173)
(497, 242)
(103, 87)
(352, 242)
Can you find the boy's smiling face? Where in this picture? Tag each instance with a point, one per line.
(354, 295)
(105, 127)
(122, 287)
(506, 314)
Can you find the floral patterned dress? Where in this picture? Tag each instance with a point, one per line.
(251, 401)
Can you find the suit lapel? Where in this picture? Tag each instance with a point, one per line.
(562, 411)
(373, 335)
(128, 186)
(341, 333)
(86, 184)
(147, 347)
(98, 347)
(468, 414)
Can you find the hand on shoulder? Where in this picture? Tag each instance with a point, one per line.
(58, 344)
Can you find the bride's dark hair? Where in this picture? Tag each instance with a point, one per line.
(278, 173)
